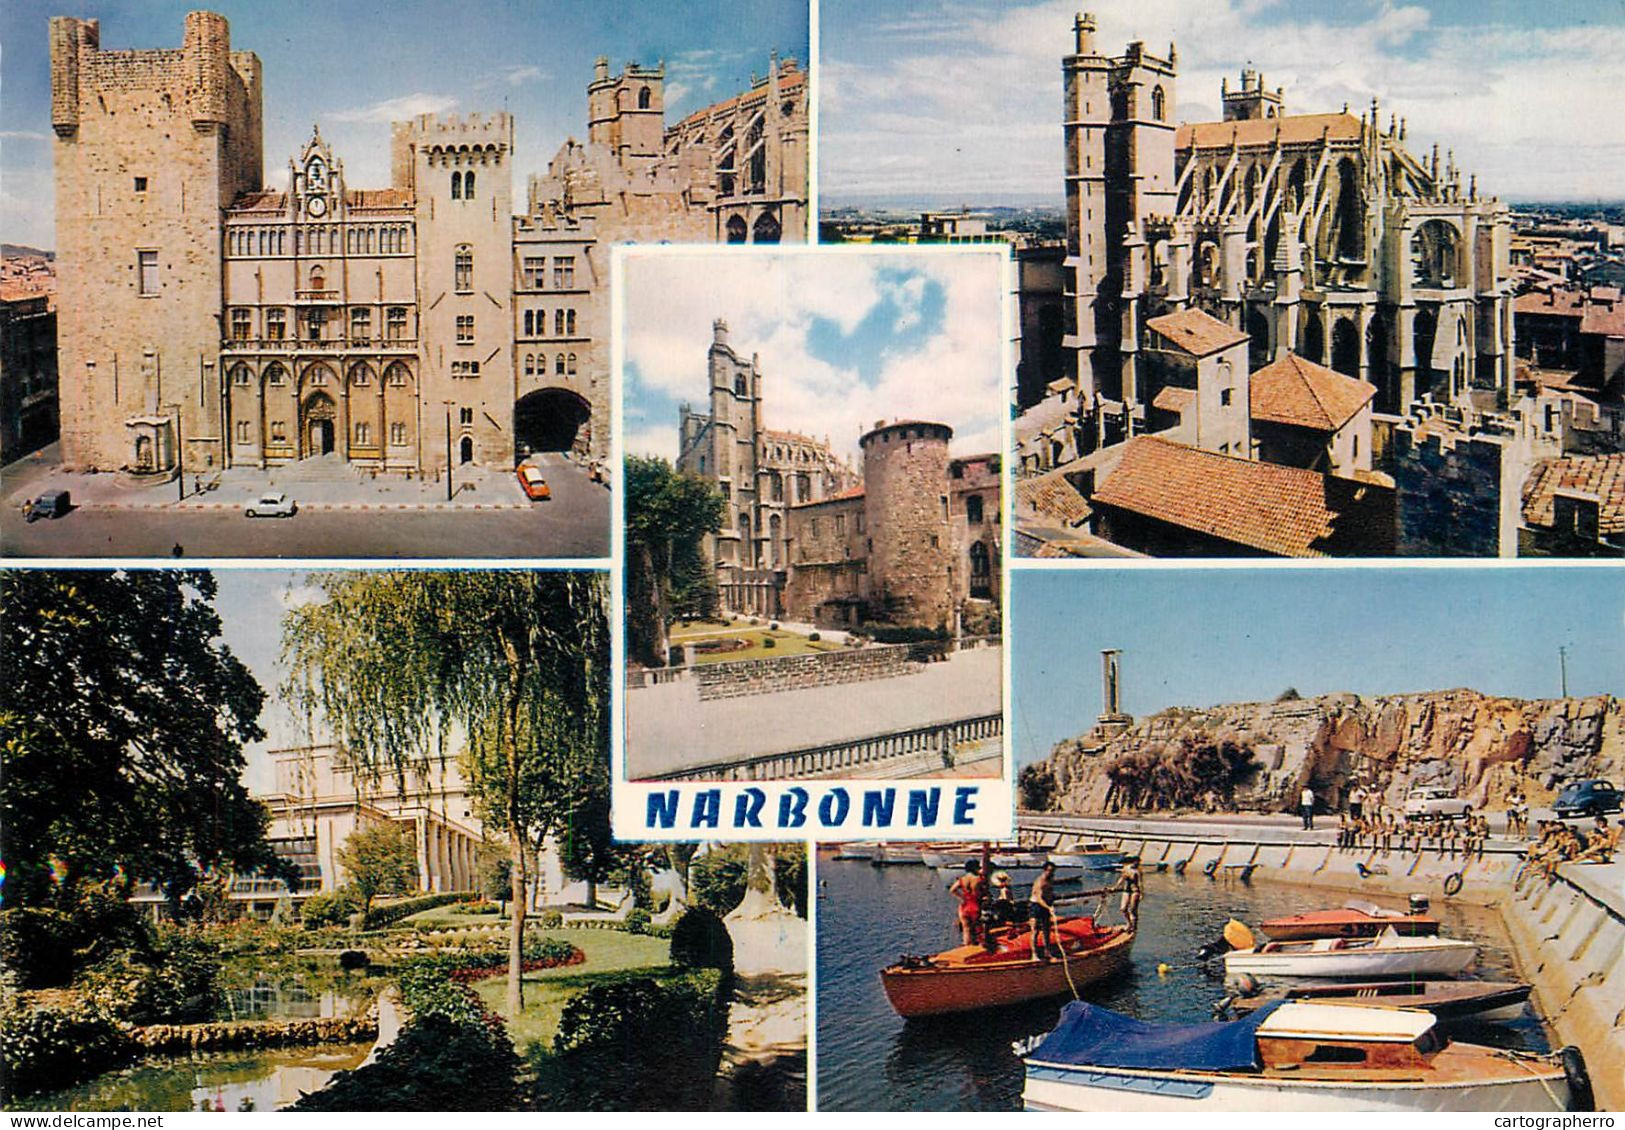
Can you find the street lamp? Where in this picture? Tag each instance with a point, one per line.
(180, 463)
(447, 403)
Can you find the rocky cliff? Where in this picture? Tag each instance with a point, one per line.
(1474, 743)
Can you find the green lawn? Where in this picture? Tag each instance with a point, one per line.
(451, 916)
(784, 643)
(610, 953)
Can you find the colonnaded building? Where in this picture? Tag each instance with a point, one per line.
(208, 321)
(913, 537)
(1282, 333)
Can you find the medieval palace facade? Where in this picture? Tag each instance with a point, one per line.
(208, 321)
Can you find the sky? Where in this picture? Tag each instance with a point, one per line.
(1203, 637)
(354, 67)
(845, 338)
(939, 96)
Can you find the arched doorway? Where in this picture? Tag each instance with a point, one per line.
(320, 432)
(1424, 329)
(767, 228)
(465, 450)
(1313, 344)
(738, 231)
(1258, 347)
(1346, 348)
(1382, 375)
(552, 419)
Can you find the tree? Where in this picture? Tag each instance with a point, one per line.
(587, 849)
(380, 860)
(513, 663)
(122, 724)
(1035, 787)
(668, 516)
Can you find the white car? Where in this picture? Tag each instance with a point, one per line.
(1435, 801)
(274, 505)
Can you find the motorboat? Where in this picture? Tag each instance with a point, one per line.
(864, 852)
(1356, 918)
(1089, 856)
(1004, 972)
(891, 855)
(1288, 1056)
(1389, 954)
(1447, 1000)
(940, 855)
(1022, 869)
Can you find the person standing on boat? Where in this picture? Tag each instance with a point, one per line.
(1043, 913)
(1306, 808)
(1133, 887)
(968, 890)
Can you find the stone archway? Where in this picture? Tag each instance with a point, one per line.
(552, 419)
(465, 450)
(737, 230)
(1346, 348)
(319, 425)
(767, 229)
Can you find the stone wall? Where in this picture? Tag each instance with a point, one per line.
(223, 1035)
(799, 672)
(905, 479)
(1473, 743)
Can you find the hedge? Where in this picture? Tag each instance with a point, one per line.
(46, 1049)
(390, 913)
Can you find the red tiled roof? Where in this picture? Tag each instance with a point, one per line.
(1294, 390)
(1554, 303)
(1277, 510)
(1601, 475)
(267, 200)
(1172, 398)
(1604, 318)
(378, 198)
(846, 495)
(1196, 332)
(1294, 129)
(1050, 495)
(788, 80)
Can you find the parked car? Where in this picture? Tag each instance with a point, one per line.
(1587, 798)
(51, 504)
(531, 481)
(273, 505)
(1434, 800)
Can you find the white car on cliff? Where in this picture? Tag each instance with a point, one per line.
(1433, 800)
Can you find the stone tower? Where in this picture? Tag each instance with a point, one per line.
(151, 146)
(1251, 102)
(736, 424)
(461, 186)
(905, 479)
(1119, 116)
(627, 113)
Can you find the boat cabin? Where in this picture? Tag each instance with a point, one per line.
(1317, 1037)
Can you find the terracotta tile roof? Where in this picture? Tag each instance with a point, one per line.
(1196, 332)
(1294, 390)
(1172, 398)
(1606, 319)
(1553, 304)
(1283, 511)
(1049, 496)
(265, 201)
(1293, 129)
(1601, 475)
(789, 80)
(378, 198)
(846, 495)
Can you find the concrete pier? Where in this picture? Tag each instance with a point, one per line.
(1568, 936)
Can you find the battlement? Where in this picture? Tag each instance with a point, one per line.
(458, 129)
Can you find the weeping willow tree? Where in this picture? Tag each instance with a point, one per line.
(514, 664)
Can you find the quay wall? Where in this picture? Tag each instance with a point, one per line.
(1568, 936)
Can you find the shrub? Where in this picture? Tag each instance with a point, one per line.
(701, 941)
(177, 984)
(894, 633)
(551, 920)
(615, 1050)
(481, 907)
(773, 626)
(330, 908)
(436, 1063)
(814, 637)
(354, 959)
(37, 945)
(380, 916)
(769, 641)
(45, 1049)
(637, 921)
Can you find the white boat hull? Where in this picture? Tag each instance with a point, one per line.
(890, 855)
(1376, 962)
(1055, 1087)
(1109, 861)
(1020, 875)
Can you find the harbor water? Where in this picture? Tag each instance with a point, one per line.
(870, 1059)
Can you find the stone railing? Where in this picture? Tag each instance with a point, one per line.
(639, 677)
(219, 1036)
(798, 672)
(842, 758)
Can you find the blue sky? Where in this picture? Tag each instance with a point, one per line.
(1200, 637)
(934, 97)
(353, 67)
(845, 338)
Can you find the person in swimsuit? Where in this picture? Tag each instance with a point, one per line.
(1043, 913)
(1133, 888)
(968, 890)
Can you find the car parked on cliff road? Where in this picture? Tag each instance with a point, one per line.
(1433, 800)
(1587, 798)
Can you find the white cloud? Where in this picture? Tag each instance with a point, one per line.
(968, 98)
(517, 76)
(770, 304)
(23, 135)
(396, 109)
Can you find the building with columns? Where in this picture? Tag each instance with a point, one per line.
(208, 321)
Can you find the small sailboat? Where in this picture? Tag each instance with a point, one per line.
(1356, 918)
(1288, 1056)
(968, 978)
(1389, 954)
(1447, 1000)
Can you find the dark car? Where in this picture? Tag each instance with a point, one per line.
(51, 504)
(1587, 798)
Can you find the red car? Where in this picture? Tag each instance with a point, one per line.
(534, 486)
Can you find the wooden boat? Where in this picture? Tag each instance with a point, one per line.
(1089, 856)
(1387, 955)
(1354, 919)
(967, 978)
(940, 855)
(858, 851)
(891, 855)
(1290, 1057)
(1447, 1000)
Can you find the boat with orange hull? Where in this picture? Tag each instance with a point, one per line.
(1354, 919)
(968, 978)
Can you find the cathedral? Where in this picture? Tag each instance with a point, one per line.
(209, 321)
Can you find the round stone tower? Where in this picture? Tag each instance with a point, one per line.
(905, 482)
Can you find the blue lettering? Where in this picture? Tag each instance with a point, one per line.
(793, 807)
(965, 804)
(922, 806)
(833, 808)
(877, 807)
(663, 809)
(707, 809)
(748, 808)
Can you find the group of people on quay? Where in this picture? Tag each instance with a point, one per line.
(1384, 831)
(1558, 843)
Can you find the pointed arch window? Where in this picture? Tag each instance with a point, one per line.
(457, 186)
(463, 269)
(468, 185)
